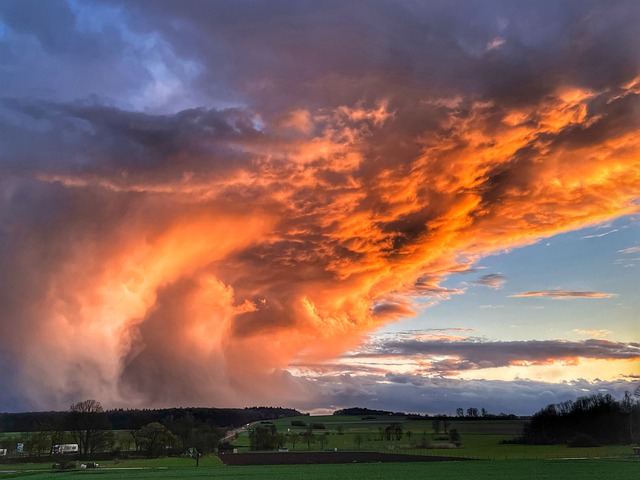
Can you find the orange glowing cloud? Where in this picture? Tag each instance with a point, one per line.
(192, 257)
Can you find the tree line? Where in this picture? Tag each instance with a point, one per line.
(588, 421)
(461, 413)
(147, 432)
(127, 419)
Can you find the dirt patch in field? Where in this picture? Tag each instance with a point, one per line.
(296, 458)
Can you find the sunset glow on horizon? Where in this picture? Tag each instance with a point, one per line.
(390, 205)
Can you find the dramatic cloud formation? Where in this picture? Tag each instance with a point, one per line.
(194, 197)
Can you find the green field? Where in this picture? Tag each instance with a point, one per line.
(495, 470)
(481, 439)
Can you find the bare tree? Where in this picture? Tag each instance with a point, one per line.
(293, 439)
(55, 429)
(323, 439)
(627, 406)
(309, 438)
(445, 424)
(88, 425)
(37, 443)
(435, 424)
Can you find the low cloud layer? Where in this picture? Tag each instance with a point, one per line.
(447, 357)
(415, 393)
(195, 197)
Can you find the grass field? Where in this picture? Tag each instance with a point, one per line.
(480, 470)
(481, 438)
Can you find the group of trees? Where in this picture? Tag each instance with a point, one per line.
(473, 412)
(127, 419)
(154, 439)
(393, 431)
(148, 432)
(590, 420)
(265, 436)
(85, 424)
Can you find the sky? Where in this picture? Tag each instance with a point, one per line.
(410, 206)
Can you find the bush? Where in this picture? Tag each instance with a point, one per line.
(583, 440)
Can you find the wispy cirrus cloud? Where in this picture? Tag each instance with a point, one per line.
(593, 333)
(600, 235)
(492, 280)
(566, 294)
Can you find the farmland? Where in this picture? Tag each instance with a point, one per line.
(480, 440)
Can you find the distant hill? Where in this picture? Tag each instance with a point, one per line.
(361, 412)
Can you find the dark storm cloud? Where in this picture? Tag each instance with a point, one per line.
(284, 54)
(60, 51)
(367, 49)
(91, 138)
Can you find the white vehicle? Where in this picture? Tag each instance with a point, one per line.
(3, 452)
(65, 448)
